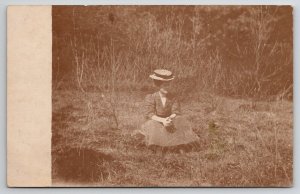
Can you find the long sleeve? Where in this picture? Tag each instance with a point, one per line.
(176, 108)
(149, 106)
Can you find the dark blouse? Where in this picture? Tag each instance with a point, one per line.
(153, 106)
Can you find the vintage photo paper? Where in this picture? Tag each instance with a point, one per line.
(29, 80)
(150, 96)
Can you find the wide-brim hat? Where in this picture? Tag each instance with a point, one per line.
(162, 75)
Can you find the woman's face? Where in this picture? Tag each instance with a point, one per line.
(165, 87)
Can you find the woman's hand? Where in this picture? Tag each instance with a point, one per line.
(167, 122)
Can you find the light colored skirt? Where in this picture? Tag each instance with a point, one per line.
(156, 134)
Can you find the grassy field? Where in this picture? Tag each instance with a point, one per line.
(242, 143)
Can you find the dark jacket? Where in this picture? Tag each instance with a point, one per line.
(154, 106)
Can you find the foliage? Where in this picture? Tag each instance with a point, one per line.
(231, 50)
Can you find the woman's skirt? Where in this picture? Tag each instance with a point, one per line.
(156, 134)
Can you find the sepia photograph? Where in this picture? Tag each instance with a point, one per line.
(172, 96)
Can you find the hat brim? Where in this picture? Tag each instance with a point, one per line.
(153, 76)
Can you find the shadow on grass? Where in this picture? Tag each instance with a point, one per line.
(81, 165)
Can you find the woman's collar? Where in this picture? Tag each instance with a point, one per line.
(162, 95)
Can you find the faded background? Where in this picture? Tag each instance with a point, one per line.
(234, 73)
(229, 50)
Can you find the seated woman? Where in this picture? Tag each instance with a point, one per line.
(165, 127)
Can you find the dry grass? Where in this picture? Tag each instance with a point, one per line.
(100, 78)
(240, 144)
(208, 48)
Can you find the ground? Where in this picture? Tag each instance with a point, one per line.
(242, 143)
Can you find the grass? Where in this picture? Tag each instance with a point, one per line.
(229, 50)
(240, 144)
(243, 141)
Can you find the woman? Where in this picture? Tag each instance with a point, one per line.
(165, 127)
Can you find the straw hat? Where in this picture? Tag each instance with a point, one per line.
(162, 75)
